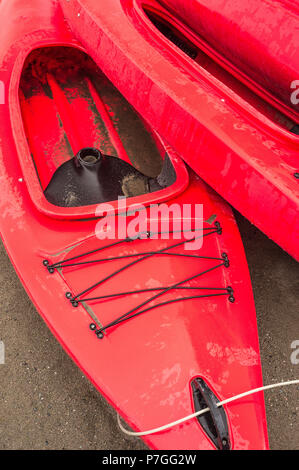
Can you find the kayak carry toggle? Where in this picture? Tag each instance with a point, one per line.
(214, 422)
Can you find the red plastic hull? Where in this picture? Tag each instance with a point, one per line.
(238, 144)
(145, 365)
(259, 38)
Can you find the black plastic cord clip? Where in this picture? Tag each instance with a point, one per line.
(231, 297)
(98, 333)
(48, 266)
(73, 301)
(225, 259)
(218, 227)
(139, 236)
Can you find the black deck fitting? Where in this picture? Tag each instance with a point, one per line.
(225, 259)
(218, 227)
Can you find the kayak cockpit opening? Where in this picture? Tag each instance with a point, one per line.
(87, 143)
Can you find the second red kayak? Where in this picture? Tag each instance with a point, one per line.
(238, 134)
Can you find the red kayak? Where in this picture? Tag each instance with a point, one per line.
(217, 80)
(160, 326)
(256, 41)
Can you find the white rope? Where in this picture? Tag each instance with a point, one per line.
(198, 413)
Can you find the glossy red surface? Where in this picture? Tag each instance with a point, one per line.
(231, 136)
(259, 38)
(143, 366)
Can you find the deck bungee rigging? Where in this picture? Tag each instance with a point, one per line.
(77, 298)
